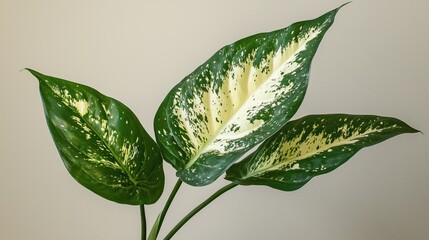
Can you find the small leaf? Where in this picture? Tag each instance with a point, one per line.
(102, 143)
(311, 146)
(154, 231)
(242, 95)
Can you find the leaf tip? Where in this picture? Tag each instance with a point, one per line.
(33, 72)
(330, 16)
(416, 131)
(410, 129)
(344, 4)
(341, 6)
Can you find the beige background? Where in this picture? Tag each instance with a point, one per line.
(374, 60)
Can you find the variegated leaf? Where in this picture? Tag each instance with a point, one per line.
(242, 95)
(102, 143)
(311, 146)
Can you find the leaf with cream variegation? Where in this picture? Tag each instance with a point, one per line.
(311, 146)
(242, 95)
(102, 143)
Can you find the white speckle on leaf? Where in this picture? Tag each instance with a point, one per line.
(81, 106)
(217, 115)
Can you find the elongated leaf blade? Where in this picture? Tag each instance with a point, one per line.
(242, 95)
(154, 231)
(311, 146)
(101, 142)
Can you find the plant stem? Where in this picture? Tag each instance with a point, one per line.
(167, 205)
(198, 208)
(143, 221)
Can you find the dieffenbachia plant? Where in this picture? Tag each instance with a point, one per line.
(244, 95)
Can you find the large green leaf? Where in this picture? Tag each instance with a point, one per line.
(242, 95)
(102, 143)
(311, 146)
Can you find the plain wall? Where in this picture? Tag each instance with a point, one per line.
(374, 60)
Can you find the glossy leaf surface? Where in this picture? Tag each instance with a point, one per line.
(242, 95)
(102, 143)
(311, 146)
